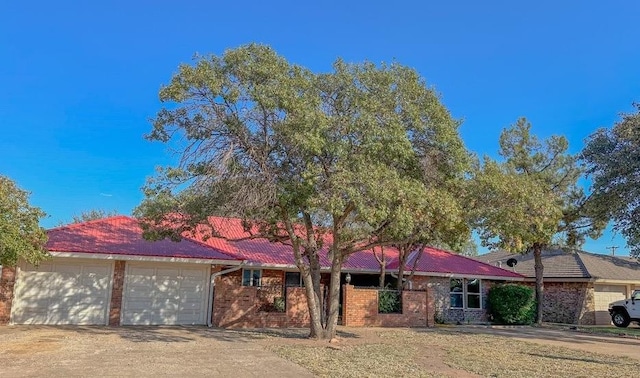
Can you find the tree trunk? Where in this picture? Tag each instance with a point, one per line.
(311, 279)
(383, 266)
(334, 296)
(402, 261)
(537, 256)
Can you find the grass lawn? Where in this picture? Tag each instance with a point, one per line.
(632, 330)
(428, 353)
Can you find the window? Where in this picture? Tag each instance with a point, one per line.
(456, 293)
(251, 277)
(465, 293)
(473, 293)
(293, 279)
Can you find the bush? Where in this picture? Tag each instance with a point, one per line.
(389, 302)
(512, 304)
(279, 304)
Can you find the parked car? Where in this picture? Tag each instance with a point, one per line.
(626, 311)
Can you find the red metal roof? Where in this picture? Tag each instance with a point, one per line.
(434, 260)
(122, 235)
(263, 252)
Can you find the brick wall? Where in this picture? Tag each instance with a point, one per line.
(115, 307)
(360, 308)
(7, 282)
(237, 306)
(297, 308)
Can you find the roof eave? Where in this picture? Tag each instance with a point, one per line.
(461, 275)
(114, 256)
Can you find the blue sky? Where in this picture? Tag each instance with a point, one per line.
(79, 79)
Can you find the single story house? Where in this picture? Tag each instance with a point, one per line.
(104, 272)
(578, 285)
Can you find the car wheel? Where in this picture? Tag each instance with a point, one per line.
(620, 319)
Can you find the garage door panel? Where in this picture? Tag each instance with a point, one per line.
(190, 295)
(62, 291)
(167, 272)
(605, 294)
(165, 294)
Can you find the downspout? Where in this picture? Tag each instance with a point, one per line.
(211, 292)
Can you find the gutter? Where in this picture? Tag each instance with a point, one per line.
(212, 285)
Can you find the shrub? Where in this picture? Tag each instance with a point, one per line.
(389, 302)
(512, 304)
(280, 304)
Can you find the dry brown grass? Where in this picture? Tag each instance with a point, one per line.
(416, 353)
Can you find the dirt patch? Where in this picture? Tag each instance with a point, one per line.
(432, 359)
(136, 351)
(445, 352)
(373, 352)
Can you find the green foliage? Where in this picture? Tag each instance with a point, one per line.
(279, 304)
(366, 152)
(389, 301)
(612, 157)
(531, 196)
(20, 234)
(93, 214)
(369, 149)
(512, 304)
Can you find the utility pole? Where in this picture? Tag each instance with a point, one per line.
(613, 249)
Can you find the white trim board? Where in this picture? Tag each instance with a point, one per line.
(105, 256)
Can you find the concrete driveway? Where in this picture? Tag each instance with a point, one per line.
(139, 351)
(612, 345)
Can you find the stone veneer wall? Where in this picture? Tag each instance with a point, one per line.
(568, 302)
(443, 311)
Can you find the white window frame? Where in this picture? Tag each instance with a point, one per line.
(251, 279)
(465, 294)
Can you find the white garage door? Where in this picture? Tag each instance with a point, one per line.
(165, 294)
(62, 291)
(605, 294)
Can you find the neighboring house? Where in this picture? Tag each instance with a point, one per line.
(104, 272)
(578, 285)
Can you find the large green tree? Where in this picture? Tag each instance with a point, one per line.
(20, 234)
(527, 200)
(612, 157)
(299, 156)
